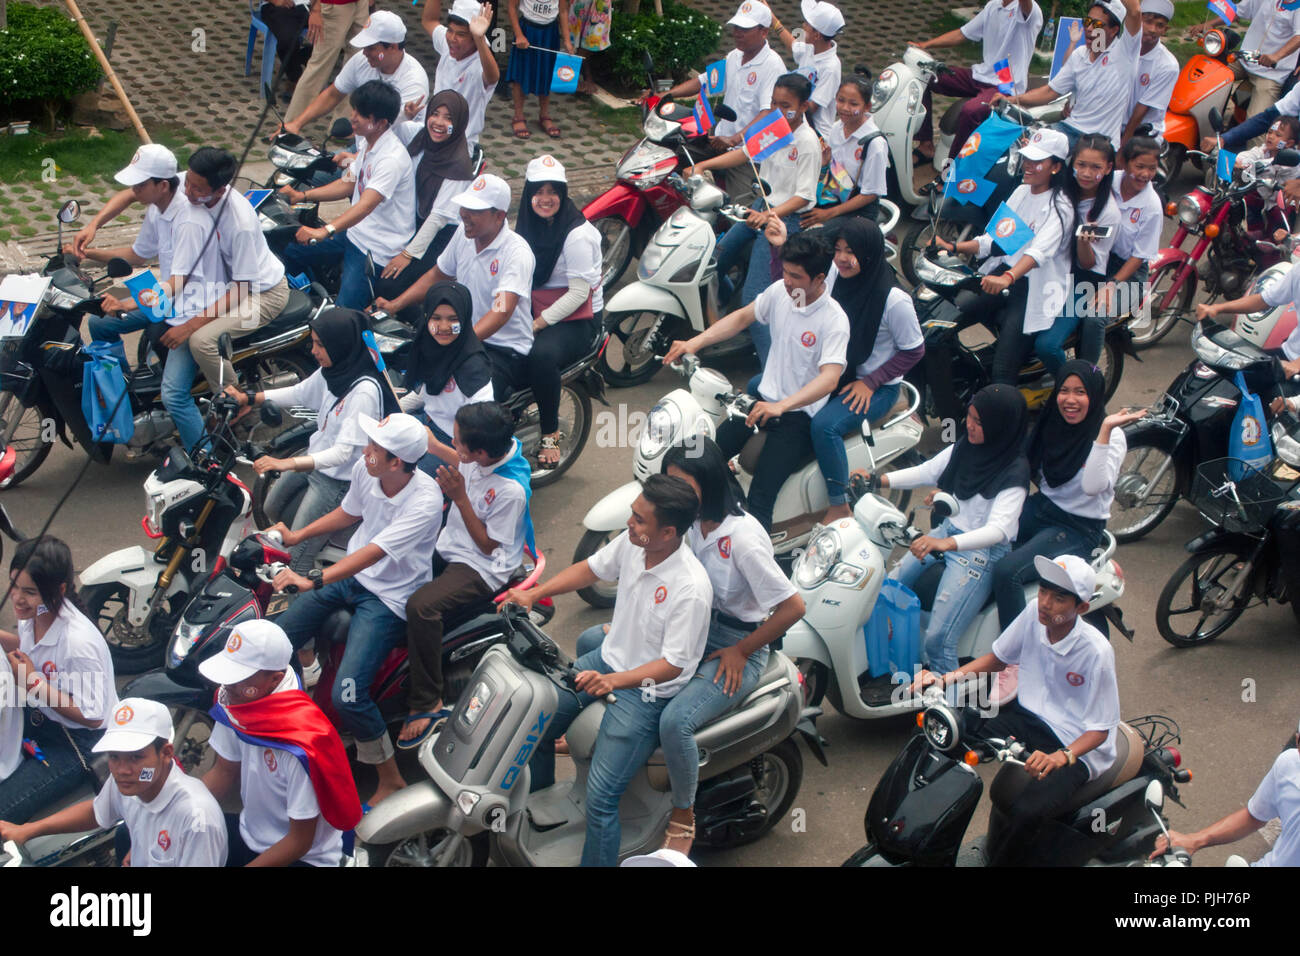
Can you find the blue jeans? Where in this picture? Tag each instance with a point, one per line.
(740, 242)
(111, 328)
(1071, 134)
(628, 734)
(355, 291)
(430, 463)
(966, 584)
(374, 631)
(1050, 344)
(321, 494)
(177, 395)
(1047, 530)
(29, 791)
(831, 425)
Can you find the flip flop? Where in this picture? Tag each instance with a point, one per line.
(435, 718)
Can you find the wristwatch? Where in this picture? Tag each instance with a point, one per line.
(250, 396)
(317, 578)
(329, 228)
(1070, 758)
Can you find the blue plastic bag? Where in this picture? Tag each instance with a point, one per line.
(104, 400)
(893, 632)
(1249, 440)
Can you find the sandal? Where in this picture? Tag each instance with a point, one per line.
(519, 126)
(435, 718)
(678, 831)
(550, 443)
(549, 127)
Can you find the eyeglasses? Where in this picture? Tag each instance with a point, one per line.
(1094, 24)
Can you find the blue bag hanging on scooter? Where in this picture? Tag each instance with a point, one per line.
(893, 632)
(104, 400)
(1249, 440)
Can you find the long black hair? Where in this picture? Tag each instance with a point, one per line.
(704, 461)
(1103, 145)
(48, 562)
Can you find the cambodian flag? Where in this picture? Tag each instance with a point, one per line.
(1226, 10)
(1006, 82)
(703, 112)
(766, 135)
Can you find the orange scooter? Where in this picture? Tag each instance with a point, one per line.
(1205, 83)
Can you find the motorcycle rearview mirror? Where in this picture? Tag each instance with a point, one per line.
(762, 187)
(341, 129)
(944, 506)
(1155, 796)
(69, 212)
(648, 62)
(271, 416)
(724, 112)
(1216, 119)
(1287, 157)
(118, 268)
(225, 346)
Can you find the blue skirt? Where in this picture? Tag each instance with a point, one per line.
(530, 68)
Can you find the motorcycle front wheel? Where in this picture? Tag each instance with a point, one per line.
(20, 427)
(1185, 615)
(133, 649)
(1163, 319)
(629, 358)
(422, 850)
(1145, 491)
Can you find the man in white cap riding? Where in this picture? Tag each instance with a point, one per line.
(817, 57)
(1157, 71)
(466, 63)
(1067, 706)
(397, 512)
(171, 818)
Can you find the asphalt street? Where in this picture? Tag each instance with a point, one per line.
(1236, 699)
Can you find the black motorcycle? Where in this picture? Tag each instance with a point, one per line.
(1189, 426)
(922, 805)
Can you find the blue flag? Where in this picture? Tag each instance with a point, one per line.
(1069, 37)
(564, 79)
(703, 113)
(1226, 163)
(1225, 10)
(968, 191)
(1010, 232)
(256, 197)
(714, 78)
(368, 337)
(983, 148)
(517, 469)
(150, 296)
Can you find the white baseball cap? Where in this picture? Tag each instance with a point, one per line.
(823, 17)
(465, 10)
(751, 14)
(1161, 8)
(401, 435)
(1069, 573)
(252, 646)
(662, 857)
(1045, 143)
(151, 161)
(1115, 8)
(486, 192)
(135, 724)
(545, 169)
(382, 27)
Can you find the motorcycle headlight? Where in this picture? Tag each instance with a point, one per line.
(651, 260)
(931, 273)
(914, 97)
(289, 159)
(646, 165)
(154, 506)
(58, 299)
(1188, 211)
(1213, 42)
(1212, 353)
(657, 128)
(387, 345)
(814, 565)
(183, 642)
(1287, 448)
(661, 427)
(883, 89)
(942, 729)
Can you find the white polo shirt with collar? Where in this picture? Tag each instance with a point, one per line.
(466, 78)
(1153, 85)
(11, 723)
(73, 658)
(409, 79)
(385, 168)
(1278, 795)
(1006, 34)
(749, 87)
(504, 265)
(660, 612)
(182, 826)
(737, 556)
(804, 338)
(1271, 27)
(823, 71)
(499, 503)
(154, 240)
(1102, 87)
(242, 244)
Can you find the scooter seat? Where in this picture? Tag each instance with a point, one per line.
(294, 315)
(754, 447)
(1129, 751)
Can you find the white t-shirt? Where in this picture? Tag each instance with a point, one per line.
(1289, 105)
(1153, 84)
(823, 71)
(899, 330)
(1270, 29)
(505, 265)
(1070, 685)
(207, 276)
(1090, 492)
(1281, 291)
(1279, 173)
(11, 722)
(73, 657)
(499, 503)
(540, 12)
(466, 78)
(336, 444)
(804, 338)
(749, 87)
(794, 170)
(442, 408)
(1102, 87)
(409, 79)
(1049, 280)
(1006, 35)
(405, 526)
(660, 612)
(444, 210)
(1278, 796)
(155, 237)
(1109, 216)
(182, 826)
(738, 558)
(868, 165)
(1140, 221)
(386, 169)
(275, 788)
(243, 247)
(990, 520)
(581, 257)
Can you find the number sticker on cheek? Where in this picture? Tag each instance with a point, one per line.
(455, 328)
(451, 128)
(146, 775)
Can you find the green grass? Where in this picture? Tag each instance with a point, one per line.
(626, 121)
(76, 154)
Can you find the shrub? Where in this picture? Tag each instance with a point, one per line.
(44, 59)
(678, 42)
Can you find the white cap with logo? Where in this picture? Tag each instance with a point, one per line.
(1159, 8)
(134, 725)
(1045, 143)
(151, 161)
(1069, 573)
(252, 646)
(545, 169)
(465, 10)
(382, 27)
(751, 14)
(401, 435)
(823, 17)
(1115, 8)
(486, 192)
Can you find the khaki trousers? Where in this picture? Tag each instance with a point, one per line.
(261, 309)
(342, 21)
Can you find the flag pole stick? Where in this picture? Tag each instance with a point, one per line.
(767, 205)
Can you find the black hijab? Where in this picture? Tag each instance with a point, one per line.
(339, 330)
(448, 160)
(546, 236)
(1057, 450)
(999, 462)
(432, 365)
(863, 296)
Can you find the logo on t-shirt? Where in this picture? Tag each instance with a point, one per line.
(1004, 228)
(971, 146)
(661, 594)
(809, 339)
(268, 758)
(724, 546)
(966, 186)
(1134, 215)
(752, 78)
(490, 496)
(493, 267)
(793, 154)
(1145, 79)
(450, 386)
(812, 77)
(123, 715)
(49, 670)
(164, 840)
(857, 154)
(1105, 59)
(1075, 679)
(234, 643)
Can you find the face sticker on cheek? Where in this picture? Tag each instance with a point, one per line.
(372, 460)
(455, 328)
(451, 128)
(146, 775)
(42, 609)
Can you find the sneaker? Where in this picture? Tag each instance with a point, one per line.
(311, 674)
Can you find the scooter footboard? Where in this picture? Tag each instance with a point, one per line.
(412, 810)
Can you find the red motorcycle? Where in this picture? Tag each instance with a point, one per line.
(628, 213)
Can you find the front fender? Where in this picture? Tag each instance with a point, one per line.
(134, 568)
(611, 512)
(620, 201)
(1181, 128)
(801, 641)
(640, 297)
(1217, 537)
(1153, 432)
(1167, 255)
(412, 810)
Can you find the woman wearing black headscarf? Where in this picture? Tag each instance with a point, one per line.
(567, 293)
(885, 341)
(449, 368)
(1075, 452)
(987, 473)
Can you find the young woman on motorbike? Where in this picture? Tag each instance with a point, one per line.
(1141, 219)
(865, 164)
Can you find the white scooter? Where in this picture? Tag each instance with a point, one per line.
(698, 410)
(677, 285)
(897, 109)
(1271, 327)
(839, 577)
